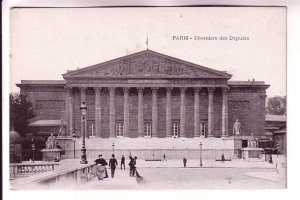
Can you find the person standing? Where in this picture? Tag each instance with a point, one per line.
(113, 164)
(123, 162)
(101, 169)
(184, 162)
(164, 157)
(222, 158)
(132, 167)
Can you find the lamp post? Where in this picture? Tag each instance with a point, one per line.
(33, 149)
(83, 149)
(74, 141)
(200, 154)
(113, 147)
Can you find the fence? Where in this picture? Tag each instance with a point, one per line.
(158, 153)
(48, 179)
(30, 168)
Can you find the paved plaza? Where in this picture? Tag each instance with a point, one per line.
(171, 174)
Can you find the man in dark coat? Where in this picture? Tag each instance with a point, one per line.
(132, 164)
(113, 164)
(123, 162)
(184, 162)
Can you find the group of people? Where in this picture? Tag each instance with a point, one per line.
(101, 163)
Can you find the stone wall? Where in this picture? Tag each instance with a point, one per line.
(245, 104)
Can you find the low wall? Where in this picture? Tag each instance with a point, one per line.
(156, 153)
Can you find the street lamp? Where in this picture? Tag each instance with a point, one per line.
(74, 141)
(113, 147)
(200, 154)
(83, 149)
(33, 149)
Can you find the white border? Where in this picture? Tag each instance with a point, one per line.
(293, 109)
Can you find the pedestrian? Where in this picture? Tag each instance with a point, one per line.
(132, 167)
(184, 162)
(164, 157)
(123, 162)
(101, 169)
(222, 158)
(113, 163)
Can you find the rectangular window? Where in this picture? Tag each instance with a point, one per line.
(147, 129)
(175, 129)
(119, 129)
(91, 128)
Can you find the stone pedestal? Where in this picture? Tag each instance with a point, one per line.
(252, 154)
(51, 154)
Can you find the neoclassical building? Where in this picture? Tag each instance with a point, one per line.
(148, 94)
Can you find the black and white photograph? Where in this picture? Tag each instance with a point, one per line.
(148, 98)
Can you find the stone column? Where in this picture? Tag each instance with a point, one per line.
(83, 99)
(126, 112)
(182, 112)
(154, 112)
(140, 112)
(196, 113)
(69, 111)
(168, 112)
(210, 112)
(112, 121)
(224, 112)
(97, 112)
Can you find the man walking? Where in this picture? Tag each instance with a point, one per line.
(113, 164)
(184, 162)
(123, 162)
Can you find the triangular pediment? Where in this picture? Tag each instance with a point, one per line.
(147, 64)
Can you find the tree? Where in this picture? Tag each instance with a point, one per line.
(276, 105)
(21, 112)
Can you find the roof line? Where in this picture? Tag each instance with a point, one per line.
(140, 52)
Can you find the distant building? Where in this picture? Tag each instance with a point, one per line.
(276, 126)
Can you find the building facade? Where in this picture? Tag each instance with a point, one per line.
(148, 94)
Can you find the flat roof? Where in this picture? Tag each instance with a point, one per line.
(43, 82)
(276, 118)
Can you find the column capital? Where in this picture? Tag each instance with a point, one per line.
(197, 89)
(97, 89)
(140, 89)
(82, 89)
(154, 89)
(182, 89)
(112, 89)
(126, 89)
(69, 89)
(225, 90)
(169, 89)
(210, 90)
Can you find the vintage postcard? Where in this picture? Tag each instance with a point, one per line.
(148, 98)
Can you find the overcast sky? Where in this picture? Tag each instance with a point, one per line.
(47, 42)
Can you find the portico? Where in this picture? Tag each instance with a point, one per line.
(150, 95)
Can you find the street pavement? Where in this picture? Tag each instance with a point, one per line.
(170, 174)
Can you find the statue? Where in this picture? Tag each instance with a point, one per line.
(237, 128)
(50, 142)
(251, 141)
(61, 128)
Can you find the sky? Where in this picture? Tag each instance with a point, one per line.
(46, 42)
